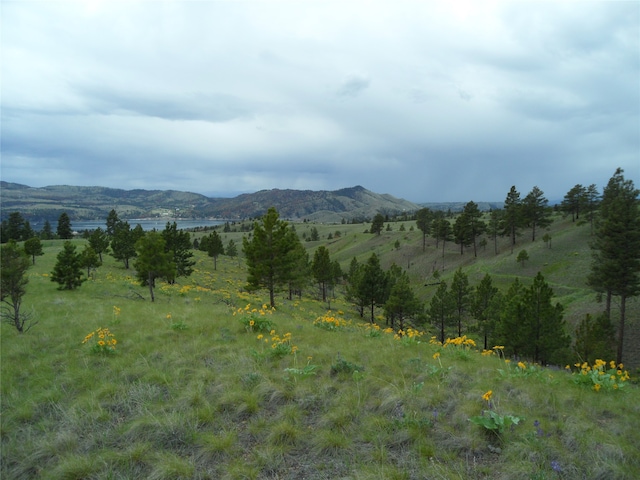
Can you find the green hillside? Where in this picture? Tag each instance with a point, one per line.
(192, 392)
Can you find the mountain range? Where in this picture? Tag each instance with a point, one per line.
(89, 203)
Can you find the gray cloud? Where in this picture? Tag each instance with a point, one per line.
(457, 101)
(353, 85)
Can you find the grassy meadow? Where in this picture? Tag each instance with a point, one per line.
(195, 390)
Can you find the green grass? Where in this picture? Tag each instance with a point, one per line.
(207, 401)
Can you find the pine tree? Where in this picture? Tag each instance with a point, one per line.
(68, 268)
(212, 244)
(14, 264)
(268, 254)
(322, 270)
(64, 227)
(460, 293)
(33, 248)
(424, 217)
(535, 210)
(441, 309)
(99, 241)
(90, 259)
(513, 329)
(595, 338)
(13, 229)
(178, 243)
(354, 276)
(153, 260)
(112, 223)
(372, 288)
(377, 224)
(402, 302)
(47, 232)
(545, 322)
(483, 307)
(573, 202)
(615, 269)
(123, 243)
(512, 216)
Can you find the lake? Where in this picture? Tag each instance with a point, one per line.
(146, 224)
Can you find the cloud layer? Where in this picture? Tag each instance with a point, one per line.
(429, 101)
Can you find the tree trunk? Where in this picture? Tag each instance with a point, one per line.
(623, 308)
(150, 280)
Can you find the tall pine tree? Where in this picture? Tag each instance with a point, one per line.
(615, 270)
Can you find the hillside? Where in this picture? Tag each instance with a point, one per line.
(89, 203)
(194, 392)
(323, 206)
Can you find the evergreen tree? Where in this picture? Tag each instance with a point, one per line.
(485, 307)
(232, 249)
(212, 244)
(512, 215)
(90, 259)
(460, 293)
(112, 223)
(522, 257)
(441, 309)
(322, 270)
(535, 210)
(64, 227)
(402, 302)
(13, 229)
(67, 271)
(616, 248)
(14, 264)
(178, 243)
(592, 200)
(269, 254)
(99, 241)
(354, 277)
(27, 232)
(33, 248)
(573, 202)
(300, 270)
(595, 338)
(372, 288)
(377, 224)
(443, 232)
(424, 216)
(153, 260)
(513, 330)
(123, 243)
(47, 232)
(545, 322)
(494, 227)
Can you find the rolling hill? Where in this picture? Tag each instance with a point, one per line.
(88, 203)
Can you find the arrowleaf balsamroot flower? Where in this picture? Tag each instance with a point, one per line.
(487, 396)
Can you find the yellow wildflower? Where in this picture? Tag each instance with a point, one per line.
(487, 395)
(436, 355)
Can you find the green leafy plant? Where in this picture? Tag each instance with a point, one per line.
(345, 366)
(599, 377)
(255, 320)
(102, 341)
(493, 421)
(308, 370)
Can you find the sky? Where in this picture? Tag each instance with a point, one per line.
(430, 101)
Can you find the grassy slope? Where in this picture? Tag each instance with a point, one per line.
(207, 402)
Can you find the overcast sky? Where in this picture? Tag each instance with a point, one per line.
(425, 100)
